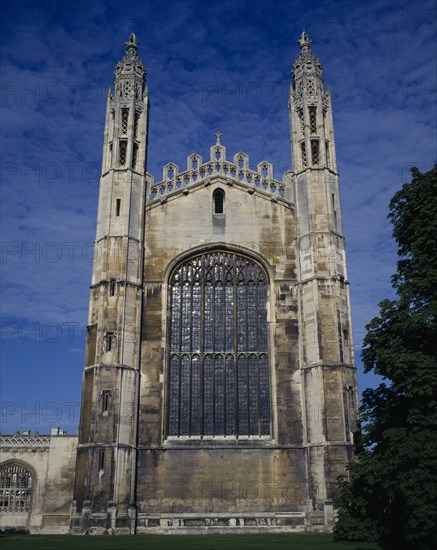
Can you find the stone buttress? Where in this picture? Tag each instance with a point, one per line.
(106, 456)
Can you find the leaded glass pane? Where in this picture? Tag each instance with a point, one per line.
(174, 392)
(241, 317)
(229, 317)
(251, 317)
(175, 317)
(186, 317)
(208, 320)
(15, 488)
(262, 318)
(208, 406)
(264, 394)
(230, 389)
(184, 422)
(196, 316)
(218, 317)
(196, 396)
(219, 397)
(243, 404)
(253, 395)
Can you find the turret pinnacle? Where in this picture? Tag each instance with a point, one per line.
(307, 63)
(130, 72)
(305, 42)
(310, 112)
(132, 46)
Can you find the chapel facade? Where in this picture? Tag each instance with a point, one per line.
(219, 388)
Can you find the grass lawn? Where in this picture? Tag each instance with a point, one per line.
(181, 542)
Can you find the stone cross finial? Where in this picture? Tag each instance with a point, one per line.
(305, 42)
(131, 45)
(218, 135)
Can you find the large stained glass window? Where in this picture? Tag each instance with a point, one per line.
(218, 373)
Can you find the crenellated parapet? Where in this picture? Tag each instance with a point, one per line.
(233, 171)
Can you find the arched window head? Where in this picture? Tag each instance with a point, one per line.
(218, 370)
(219, 200)
(15, 488)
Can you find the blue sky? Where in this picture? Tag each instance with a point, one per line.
(211, 66)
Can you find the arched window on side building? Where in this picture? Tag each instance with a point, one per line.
(16, 485)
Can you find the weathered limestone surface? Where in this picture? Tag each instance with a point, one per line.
(257, 476)
(137, 470)
(150, 480)
(51, 461)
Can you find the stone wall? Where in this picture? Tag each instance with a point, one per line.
(219, 482)
(51, 460)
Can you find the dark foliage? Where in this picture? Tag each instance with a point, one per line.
(392, 495)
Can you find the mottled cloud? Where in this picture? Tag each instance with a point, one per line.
(211, 66)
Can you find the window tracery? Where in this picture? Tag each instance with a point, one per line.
(127, 88)
(310, 87)
(218, 379)
(15, 488)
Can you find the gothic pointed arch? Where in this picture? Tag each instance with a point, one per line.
(17, 485)
(218, 381)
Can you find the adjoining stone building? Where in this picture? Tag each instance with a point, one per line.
(36, 481)
(219, 389)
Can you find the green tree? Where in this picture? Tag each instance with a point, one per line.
(392, 494)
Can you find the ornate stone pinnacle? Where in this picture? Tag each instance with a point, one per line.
(305, 42)
(132, 45)
(218, 135)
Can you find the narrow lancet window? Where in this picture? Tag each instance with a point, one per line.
(313, 120)
(123, 152)
(117, 207)
(304, 154)
(101, 460)
(124, 121)
(219, 200)
(315, 151)
(106, 400)
(109, 341)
